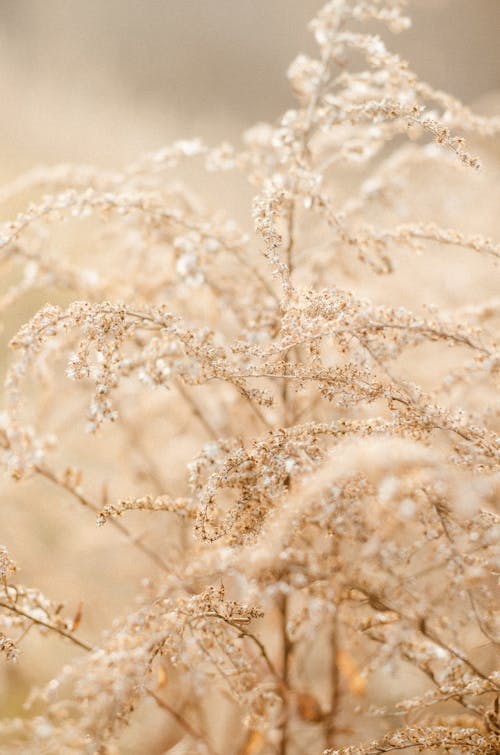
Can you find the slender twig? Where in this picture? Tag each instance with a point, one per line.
(209, 429)
(422, 626)
(151, 554)
(19, 611)
(180, 720)
(136, 443)
(245, 633)
(458, 559)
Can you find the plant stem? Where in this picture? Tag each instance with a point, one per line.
(19, 612)
(330, 721)
(151, 554)
(286, 657)
(180, 720)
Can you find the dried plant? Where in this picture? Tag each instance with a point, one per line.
(315, 443)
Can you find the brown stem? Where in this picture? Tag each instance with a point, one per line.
(442, 515)
(135, 441)
(211, 432)
(151, 554)
(330, 720)
(382, 603)
(287, 647)
(19, 611)
(180, 720)
(244, 633)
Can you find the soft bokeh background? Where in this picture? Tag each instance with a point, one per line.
(99, 81)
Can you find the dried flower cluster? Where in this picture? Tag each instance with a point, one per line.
(329, 529)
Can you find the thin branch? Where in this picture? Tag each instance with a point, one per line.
(421, 625)
(209, 429)
(180, 720)
(458, 558)
(151, 554)
(19, 611)
(255, 640)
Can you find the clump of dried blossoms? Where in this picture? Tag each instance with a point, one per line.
(324, 566)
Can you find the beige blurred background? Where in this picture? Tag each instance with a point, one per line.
(101, 80)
